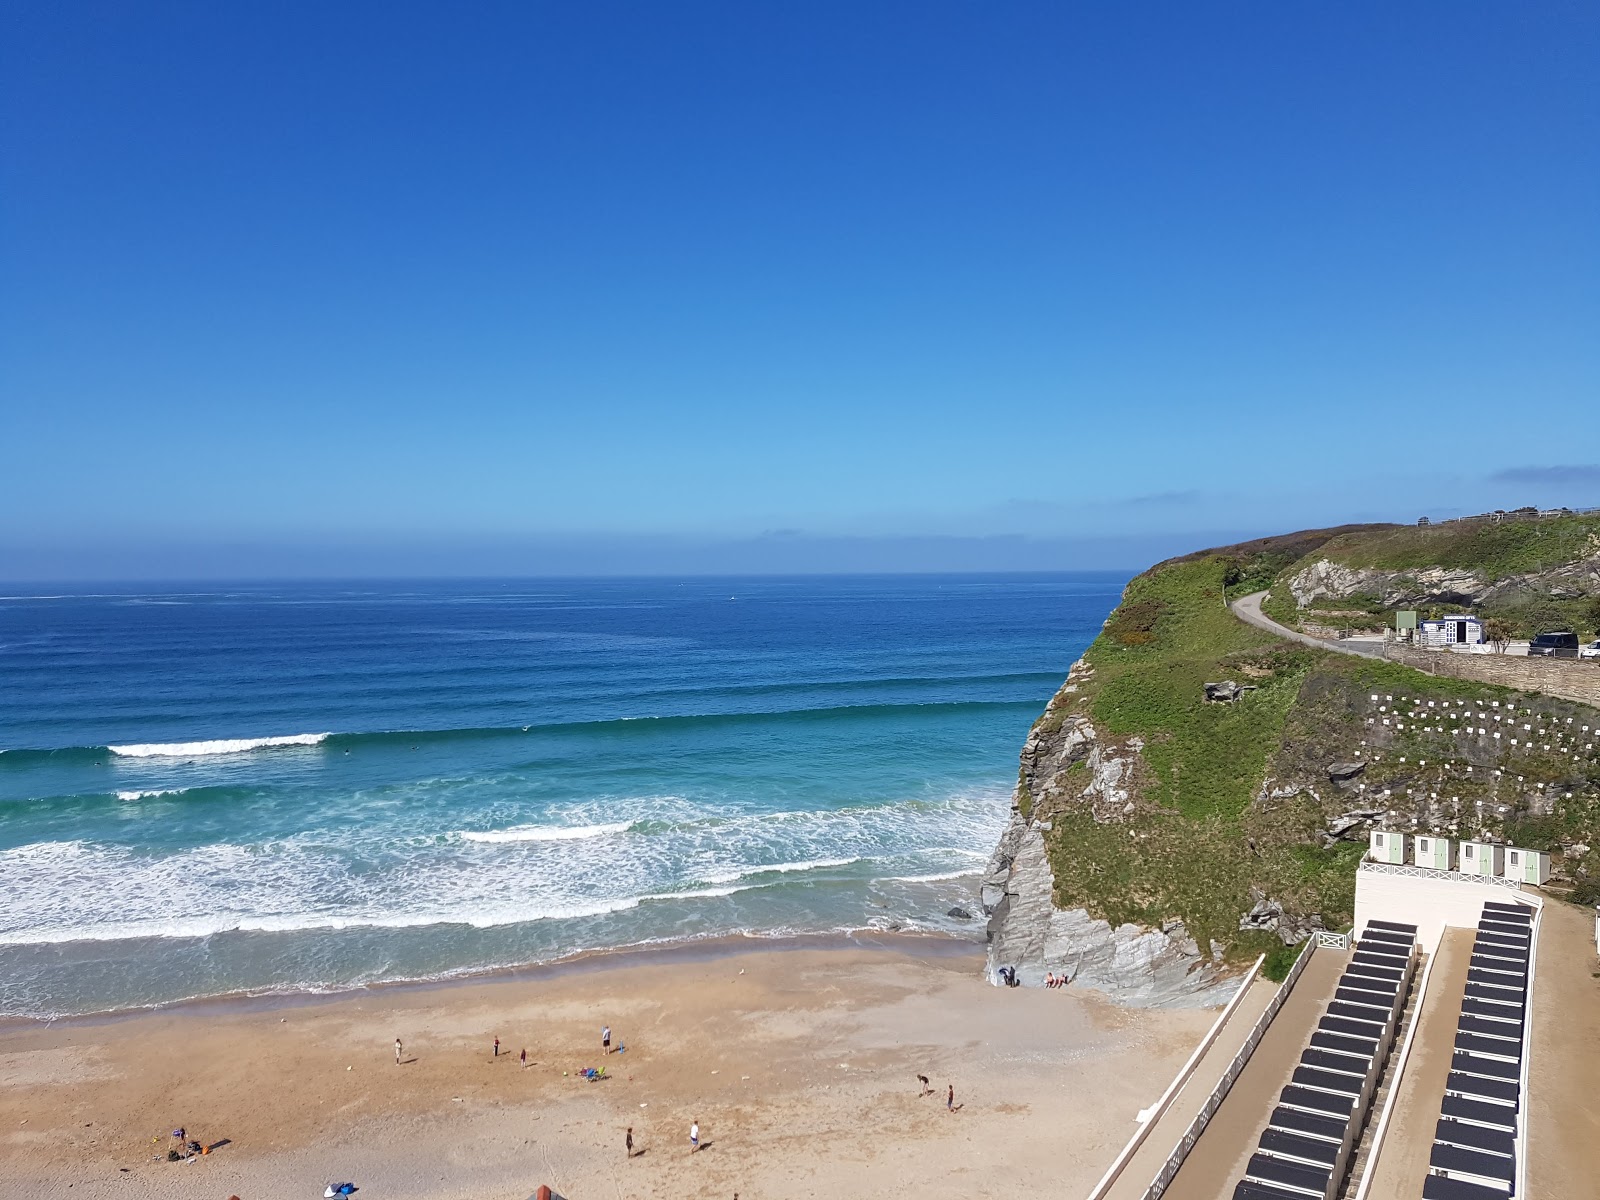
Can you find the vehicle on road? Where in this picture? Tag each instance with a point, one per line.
(1554, 645)
(1592, 650)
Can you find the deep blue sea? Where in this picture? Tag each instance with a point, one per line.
(207, 791)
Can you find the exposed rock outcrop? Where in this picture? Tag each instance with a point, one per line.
(1141, 967)
(1440, 585)
(1066, 764)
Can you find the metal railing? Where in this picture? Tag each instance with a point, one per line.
(1379, 868)
(1219, 1093)
(1148, 1117)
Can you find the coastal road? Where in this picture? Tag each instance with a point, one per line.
(1248, 610)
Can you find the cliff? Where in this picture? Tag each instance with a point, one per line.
(1160, 838)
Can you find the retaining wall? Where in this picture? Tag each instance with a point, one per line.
(1569, 678)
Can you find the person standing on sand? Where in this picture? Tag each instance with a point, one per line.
(398, 1051)
(605, 1039)
(630, 1141)
(950, 1098)
(497, 1047)
(694, 1136)
(524, 1056)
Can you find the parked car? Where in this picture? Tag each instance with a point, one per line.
(1554, 645)
(1592, 650)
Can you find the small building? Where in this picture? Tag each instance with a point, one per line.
(1433, 853)
(1445, 632)
(1527, 866)
(1482, 858)
(1387, 847)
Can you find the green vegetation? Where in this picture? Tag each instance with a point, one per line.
(1229, 801)
(1522, 549)
(1498, 550)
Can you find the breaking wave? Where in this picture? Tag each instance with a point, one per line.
(220, 746)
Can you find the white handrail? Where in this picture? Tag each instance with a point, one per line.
(1148, 1117)
(1527, 1050)
(1219, 1093)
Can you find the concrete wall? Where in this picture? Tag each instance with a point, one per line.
(1426, 902)
(1569, 678)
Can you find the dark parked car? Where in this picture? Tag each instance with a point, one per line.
(1554, 645)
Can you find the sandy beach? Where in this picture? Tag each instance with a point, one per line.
(799, 1062)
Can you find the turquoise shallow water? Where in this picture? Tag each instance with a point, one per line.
(208, 791)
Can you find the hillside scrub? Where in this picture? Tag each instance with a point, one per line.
(1231, 802)
(1497, 550)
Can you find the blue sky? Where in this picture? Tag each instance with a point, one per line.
(527, 287)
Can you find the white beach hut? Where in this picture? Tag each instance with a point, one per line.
(1387, 847)
(1435, 853)
(1528, 866)
(1482, 858)
(1463, 629)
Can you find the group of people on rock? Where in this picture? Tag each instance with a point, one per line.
(1054, 981)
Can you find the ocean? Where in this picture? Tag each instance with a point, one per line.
(279, 788)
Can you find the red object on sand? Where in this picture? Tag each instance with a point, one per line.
(543, 1193)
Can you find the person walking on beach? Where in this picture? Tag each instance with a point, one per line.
(630, 1141)
(524, 1056)
(398, 1051)
(497, 1047)
(694, 1136)
(950, 1098)
(605, 1039)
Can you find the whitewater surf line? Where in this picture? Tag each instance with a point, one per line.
(647, 725)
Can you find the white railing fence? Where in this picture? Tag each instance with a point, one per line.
(1378, 868)
(1219, 1093)
(1148, 1117)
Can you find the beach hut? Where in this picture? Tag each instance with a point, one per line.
(1386, 847)
(1433, 853)
(1482, 858)
(1463, 629)
(1528, 866)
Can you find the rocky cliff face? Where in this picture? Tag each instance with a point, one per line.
(1066, 762)
(1325, 578)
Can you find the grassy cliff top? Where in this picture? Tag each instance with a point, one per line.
(1496, 550)
(1227, 799)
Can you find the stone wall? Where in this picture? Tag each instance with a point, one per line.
(1568, 678)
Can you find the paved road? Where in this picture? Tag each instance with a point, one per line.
(1248, 610)
(1563, 1112)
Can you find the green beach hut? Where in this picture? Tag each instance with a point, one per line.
(1527, 866)
(1387, 847)
(1481, 858)
(1433, 853)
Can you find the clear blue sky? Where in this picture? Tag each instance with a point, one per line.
(296, 288)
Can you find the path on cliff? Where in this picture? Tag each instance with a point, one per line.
(1248, 610)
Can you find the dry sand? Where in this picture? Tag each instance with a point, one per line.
(800, 1064)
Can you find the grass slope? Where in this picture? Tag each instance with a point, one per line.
(1206, 828)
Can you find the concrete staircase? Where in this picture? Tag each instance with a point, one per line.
(1386, 1082)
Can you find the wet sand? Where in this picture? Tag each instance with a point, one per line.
(799, 1063)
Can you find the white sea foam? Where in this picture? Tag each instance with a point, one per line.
(407, 873)
(221, 746)
(937, 878)
(151, 793)
(545, 833)
(784, 868)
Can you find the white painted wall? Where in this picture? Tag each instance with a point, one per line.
(1429, 904)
